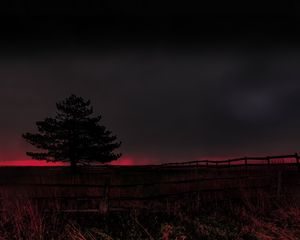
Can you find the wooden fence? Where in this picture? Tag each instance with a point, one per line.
(244, 161)
(194, 184)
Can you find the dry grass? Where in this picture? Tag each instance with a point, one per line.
(251, 218)
(237, 215)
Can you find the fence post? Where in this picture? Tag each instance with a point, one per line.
(198, 201)
(104, 203)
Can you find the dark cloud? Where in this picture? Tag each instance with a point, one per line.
(164, 105)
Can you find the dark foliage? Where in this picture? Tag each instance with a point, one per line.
(73, 135)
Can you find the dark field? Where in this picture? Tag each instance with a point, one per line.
(151, 202)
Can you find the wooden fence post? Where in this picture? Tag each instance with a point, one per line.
(104, 203)
(198, 201)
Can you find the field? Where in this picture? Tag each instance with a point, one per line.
(151, 202)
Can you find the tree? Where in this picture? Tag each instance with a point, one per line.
(73, 136)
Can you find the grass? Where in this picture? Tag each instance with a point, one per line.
(247, 218)
(235, 215)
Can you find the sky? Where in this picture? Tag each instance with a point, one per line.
(216, 88)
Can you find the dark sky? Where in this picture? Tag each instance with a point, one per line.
(174, 83)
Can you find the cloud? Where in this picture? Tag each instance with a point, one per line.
(163, 105)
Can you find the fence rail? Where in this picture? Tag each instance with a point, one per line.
(107, 191)
(239, 161)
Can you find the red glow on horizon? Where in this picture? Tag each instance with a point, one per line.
(129, 161)
(29, 163)
(123, 161)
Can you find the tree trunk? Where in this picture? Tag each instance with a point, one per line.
(72, 156)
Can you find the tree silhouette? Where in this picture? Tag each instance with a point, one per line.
(73, 136)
